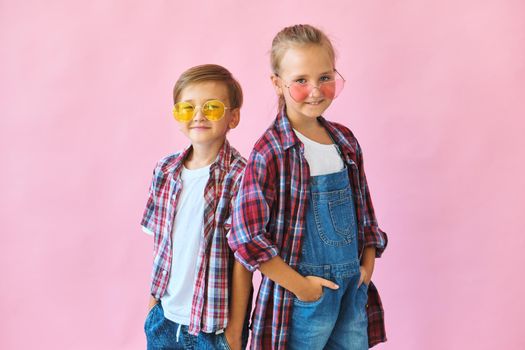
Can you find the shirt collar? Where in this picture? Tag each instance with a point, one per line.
(222, 161)
(285, 129)
(346, 144)
(289, 137)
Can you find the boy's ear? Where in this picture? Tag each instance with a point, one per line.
(235, 119)
(276, 84)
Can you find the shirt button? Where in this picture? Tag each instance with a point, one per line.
(164, 272)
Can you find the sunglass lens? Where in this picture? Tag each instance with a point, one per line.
(213, 110)
(183, 111)
(328, 89)
(299, 92)
(331, 89)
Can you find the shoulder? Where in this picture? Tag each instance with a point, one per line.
(269, 145)
(346, 133)
(166, 163)
(237, 163)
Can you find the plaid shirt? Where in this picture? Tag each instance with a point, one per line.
(209, 311)
(269, 219)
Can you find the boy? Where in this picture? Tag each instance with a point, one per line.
(188, 213)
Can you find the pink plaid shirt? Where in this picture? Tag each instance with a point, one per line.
(209, 311)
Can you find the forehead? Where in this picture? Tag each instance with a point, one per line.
(306, 60)
(205, 90)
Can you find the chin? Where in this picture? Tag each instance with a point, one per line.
(314, 113)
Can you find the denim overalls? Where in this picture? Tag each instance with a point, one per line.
(338, 319)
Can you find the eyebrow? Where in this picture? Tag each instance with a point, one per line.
(206, 100)
(300, 76)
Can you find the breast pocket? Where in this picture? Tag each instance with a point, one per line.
(335, 217)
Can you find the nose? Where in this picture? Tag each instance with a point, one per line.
(198, 115)
(315, 91)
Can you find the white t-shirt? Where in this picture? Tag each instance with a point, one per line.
(187, 234)
(322, 159)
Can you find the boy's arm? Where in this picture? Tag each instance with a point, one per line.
(240, 297)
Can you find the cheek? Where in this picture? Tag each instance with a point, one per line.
(289, 100)
(183, 127)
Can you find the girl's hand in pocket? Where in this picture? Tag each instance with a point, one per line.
(365, 276)
(314, 288)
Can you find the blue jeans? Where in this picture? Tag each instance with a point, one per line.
(338, 319)
(163, 334)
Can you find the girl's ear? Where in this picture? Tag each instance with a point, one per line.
(235, 119)
(276, 82)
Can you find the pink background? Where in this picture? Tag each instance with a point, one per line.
(435, 94)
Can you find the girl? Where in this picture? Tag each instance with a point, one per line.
(304, 216)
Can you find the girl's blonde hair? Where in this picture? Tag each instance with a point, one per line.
(300, 34)
(210, 72)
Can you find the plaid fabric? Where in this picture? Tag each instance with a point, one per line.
(269, 219)
(209, 311)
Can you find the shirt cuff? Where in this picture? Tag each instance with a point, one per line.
(252, 254)
(375, 237)
(147, 231)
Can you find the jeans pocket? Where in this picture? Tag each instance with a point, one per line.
(299, 302)
(362, 295)
(149, 315)
(223, 341)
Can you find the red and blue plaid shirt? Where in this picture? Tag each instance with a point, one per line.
(209, 311)
(269, 219)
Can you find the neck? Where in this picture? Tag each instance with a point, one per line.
(202, 155)
(311, 128)
(302, 123)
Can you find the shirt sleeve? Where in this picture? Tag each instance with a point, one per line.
(374, 236)
(148, 222)
(249, 239)
(147, 231)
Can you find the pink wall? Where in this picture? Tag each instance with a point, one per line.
(435, 94)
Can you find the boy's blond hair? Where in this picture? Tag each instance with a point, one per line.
(210, 72)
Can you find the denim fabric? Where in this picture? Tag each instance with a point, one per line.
(163, 334)
(338, 319)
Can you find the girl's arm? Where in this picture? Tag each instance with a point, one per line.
(253, 245)
(309, 288)
(367, 265)
(374, 236)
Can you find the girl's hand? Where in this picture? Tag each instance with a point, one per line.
(365, 276)
(314, 288)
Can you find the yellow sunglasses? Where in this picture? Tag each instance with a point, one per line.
(213, 110)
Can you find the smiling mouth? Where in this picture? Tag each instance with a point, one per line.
(199, 127)
(314, 103)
